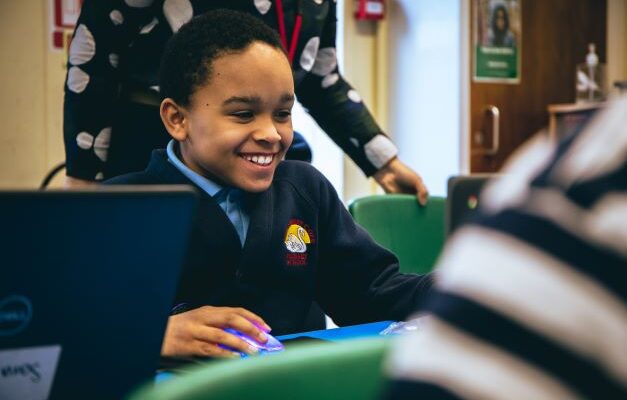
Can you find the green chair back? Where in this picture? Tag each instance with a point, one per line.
(346, 370)
(396, 221)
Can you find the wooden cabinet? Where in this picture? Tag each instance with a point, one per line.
(566, 118)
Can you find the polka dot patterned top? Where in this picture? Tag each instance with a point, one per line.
(118, 43)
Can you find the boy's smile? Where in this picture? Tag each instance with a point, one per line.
(238, 125)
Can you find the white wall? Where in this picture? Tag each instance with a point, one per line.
(424, 86)
(23, 138)
(360, 66)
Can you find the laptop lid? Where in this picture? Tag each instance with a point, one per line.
(462, 200)
(86, 285)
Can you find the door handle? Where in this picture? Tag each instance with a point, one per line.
(496, 122)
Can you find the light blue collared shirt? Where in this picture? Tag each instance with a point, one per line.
(229, 199)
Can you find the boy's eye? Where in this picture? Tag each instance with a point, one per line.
(283, 115)
(243, 115)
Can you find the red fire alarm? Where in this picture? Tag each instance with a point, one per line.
(369, 10)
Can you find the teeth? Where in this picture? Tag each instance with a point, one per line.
(259, 159)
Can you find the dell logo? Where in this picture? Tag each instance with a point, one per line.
(15, 315)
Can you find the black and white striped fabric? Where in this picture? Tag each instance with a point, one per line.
(530, 300)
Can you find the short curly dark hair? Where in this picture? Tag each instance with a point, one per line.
(189, 54)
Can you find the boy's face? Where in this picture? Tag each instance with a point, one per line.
(238, 125)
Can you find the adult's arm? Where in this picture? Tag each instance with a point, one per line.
(339, 110)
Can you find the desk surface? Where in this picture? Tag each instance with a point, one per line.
(344, 333)
(334, 335)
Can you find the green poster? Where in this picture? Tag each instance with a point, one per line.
(497, 41)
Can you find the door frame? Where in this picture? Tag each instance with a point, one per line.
(464, 129)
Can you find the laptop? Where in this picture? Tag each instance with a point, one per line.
(462, 200)
(86, 286)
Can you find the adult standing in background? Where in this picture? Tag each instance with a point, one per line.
(112, 77)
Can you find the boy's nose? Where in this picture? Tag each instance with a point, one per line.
(267, 132)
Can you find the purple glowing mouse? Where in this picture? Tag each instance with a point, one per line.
(271, 346)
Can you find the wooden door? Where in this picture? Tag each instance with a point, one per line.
(555, 37)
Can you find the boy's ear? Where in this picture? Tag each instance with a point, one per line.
(174, 119)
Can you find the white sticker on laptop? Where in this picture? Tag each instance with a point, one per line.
(28, 373)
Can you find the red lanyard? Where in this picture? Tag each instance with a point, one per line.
(291, 50)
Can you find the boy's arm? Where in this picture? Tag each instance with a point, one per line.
(359, 281)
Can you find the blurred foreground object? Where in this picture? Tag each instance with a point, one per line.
(529, 301)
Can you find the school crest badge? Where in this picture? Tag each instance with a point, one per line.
(298, 236)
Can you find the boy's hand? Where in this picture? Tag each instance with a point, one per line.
(396, 177)
(199, 332)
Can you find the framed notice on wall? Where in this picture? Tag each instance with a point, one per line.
(497, 41)
(63, 17)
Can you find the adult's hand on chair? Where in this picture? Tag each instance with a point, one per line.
(396, 177)
(200, 332)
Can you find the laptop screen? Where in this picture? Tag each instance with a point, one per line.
(462, 200)
(86, 286)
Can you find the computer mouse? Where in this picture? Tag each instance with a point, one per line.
(271, 346)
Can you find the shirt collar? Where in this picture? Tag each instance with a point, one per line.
(207, 185)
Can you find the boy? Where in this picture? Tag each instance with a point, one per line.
(271, 235)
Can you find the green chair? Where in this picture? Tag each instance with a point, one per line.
(396, 221)
(347, 370)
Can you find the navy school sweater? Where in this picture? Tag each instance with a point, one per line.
(302, 246)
